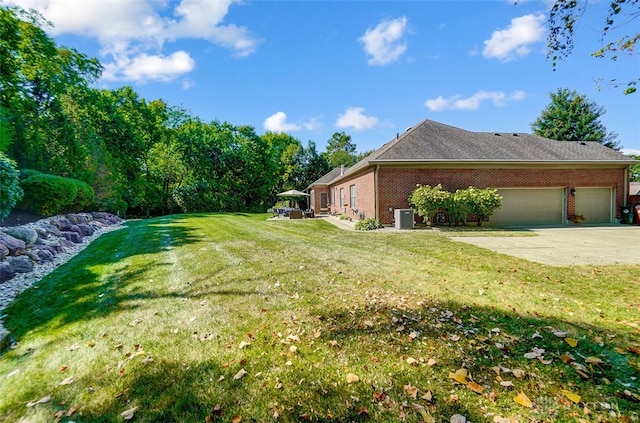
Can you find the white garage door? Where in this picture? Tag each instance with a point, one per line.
(595, 204)
(536, 206)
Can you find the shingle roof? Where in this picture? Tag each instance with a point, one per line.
(431, 141)
(329, 176)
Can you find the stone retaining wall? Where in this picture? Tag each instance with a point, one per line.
(29, 252)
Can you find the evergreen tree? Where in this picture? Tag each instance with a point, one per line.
(572, 117)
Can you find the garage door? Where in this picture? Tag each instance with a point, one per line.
(594, 204)
(536, 206)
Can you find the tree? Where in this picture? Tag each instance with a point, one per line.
(563, 21)
(10, 191)
(572, 117)
(341, 151)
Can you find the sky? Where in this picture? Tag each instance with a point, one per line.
(371, 69)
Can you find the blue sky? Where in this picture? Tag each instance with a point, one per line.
(368, 68)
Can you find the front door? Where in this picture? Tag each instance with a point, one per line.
(323, 201)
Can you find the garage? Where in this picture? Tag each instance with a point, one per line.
(534, 206)
(595, 204)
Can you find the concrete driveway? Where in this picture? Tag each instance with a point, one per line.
(619, 244)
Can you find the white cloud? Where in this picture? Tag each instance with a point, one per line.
(277, 122)
(629, 151)
(498, 98)
(515, 41)
(313, 124)
(150, 67)
(354, 118)
(132, 34)
(384, 43)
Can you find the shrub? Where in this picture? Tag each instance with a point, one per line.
(84, 196)
(10, 191)
(368, 224)
(47, 194)
(429, 200)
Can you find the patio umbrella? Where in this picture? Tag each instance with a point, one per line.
(292, 193)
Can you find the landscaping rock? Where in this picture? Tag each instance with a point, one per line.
(28, 235)
(6, 272)
(21, 264)
(4, 251)
(16, 246)
(73, 236)
(86, 229)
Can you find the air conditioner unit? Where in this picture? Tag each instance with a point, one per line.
(403, 218)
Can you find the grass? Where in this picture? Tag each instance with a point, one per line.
(216, 317)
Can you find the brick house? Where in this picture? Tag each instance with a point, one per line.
(542, 181)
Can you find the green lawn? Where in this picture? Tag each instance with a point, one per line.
(233, 317)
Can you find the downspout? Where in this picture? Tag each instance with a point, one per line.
(627, 171)
(376, 198)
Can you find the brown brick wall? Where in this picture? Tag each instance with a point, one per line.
(396, 184)
(365, 196)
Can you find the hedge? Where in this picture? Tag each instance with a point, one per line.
(49, 195)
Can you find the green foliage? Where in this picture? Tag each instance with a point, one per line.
(48, 194)
(563, 21)
(340, 151)
(427, 200)
(634, 171)
(479, 202)
(84, 197)
(572, 117)
(474, 201)
(368, 224)
(10, 191)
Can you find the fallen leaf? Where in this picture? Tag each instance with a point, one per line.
(573, 342)
(351, 378)
(412, 361)
(128, 414)
(293, 349)
(42, 400)
(63, 369)
(507, 384)
(560, 334)
(412, 391)
(594, 360)
(428, 396)
(459, 376)
(519, 373)
(91, 344)
(478, 389)
(523, 400)
(334, 343)
(72, 410)
(567, 358)
(458, 418)
(431, 362)
(236, 419)
(244, 345)
(74, 347)
(573, 397)
(240, 374)
(67, 381)
(317, 333)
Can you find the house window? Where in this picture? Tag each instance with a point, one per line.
(342, 199)
(352, 194)
(333, 196)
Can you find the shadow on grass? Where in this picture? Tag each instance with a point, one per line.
(74, 291)
(490, 343)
